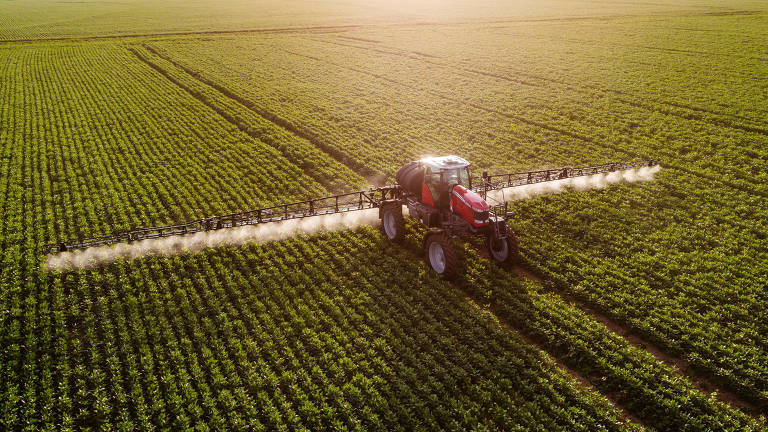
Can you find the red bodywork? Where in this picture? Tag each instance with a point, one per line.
(470, 206)
(426, 195)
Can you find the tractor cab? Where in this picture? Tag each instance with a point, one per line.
(443, 185)
(438, 192)
(441, 174)
(447, 185)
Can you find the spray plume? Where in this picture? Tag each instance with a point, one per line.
(96, 256)
(597, 181)
(334, 222)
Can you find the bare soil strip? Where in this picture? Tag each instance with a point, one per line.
(360, 39)
(694, 116)
(626, 415)
(560, 131)
(677, 364)
(352, 164)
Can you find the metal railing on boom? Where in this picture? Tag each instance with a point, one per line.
(340, 203)
(502, 181)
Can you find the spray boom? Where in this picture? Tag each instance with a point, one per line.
(358, 208)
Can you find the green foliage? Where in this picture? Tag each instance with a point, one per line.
(316, 333)
(680, 260)
(345, 331)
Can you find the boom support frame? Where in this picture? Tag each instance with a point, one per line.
(347, 202)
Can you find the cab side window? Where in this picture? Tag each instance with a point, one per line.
(432, 179)
(451, 177)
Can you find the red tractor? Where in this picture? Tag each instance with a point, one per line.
(438, 192)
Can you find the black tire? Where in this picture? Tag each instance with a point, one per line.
(393, 223)
(505, 251)
(440, 255)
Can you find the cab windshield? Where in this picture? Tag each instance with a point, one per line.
(440, 183)
(456, 176)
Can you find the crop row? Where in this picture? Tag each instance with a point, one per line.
(699, 214)
(307, 335)
(689, 63)
(642, 384)
(329, 172)
(91, 144)
(283, 84)
(247, 339)
(698, 291)
(450, 101)
(95, 137)
(40, 20)
(619, 121)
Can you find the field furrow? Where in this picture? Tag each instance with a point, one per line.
(638, 305)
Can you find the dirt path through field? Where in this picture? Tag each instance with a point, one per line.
(678, 364)
(626, 415)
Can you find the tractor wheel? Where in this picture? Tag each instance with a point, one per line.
(393, 223)
(504, 251)
(440, 255)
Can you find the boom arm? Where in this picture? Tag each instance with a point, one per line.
(501, 181)
(352, 201)
(361, 200)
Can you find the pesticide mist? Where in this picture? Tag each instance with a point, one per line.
(335, 222)
(597, 181)
(210, 239)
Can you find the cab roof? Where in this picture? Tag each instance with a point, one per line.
(438, 163)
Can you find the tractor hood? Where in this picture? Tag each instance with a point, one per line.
(471, 199)
(469, 206)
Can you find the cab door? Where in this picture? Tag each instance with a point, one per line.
(436, 191)
(430, 187)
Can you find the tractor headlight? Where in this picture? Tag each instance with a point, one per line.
(481, 215)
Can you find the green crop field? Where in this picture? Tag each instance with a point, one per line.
(638, 306)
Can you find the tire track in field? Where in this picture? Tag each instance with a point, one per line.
(336, 154)
(421, 57)
(582, 88)
(640, 47)
(677, 364)
(687, 51)
(244, 127)
(584, 381)
(412, 249)
(554, 129)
